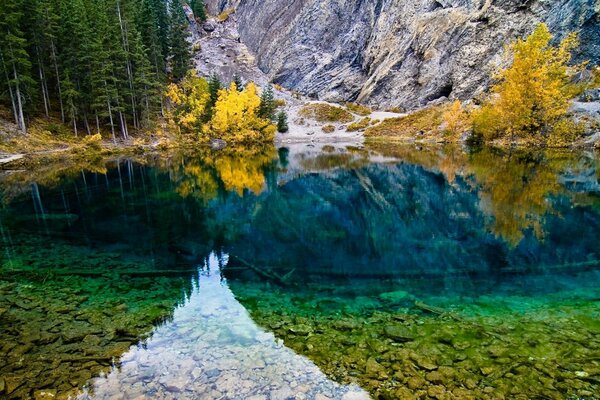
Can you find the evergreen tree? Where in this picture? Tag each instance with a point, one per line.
(282, 122)
(267, 106)
(238, 82)
(199, 9)
(214, 86)
(104, 61)
(179, 47)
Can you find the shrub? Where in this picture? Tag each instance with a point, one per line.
(328, 128)
(427, 120)
(325, 113)
(359, 125)
(224, 16)
(358, 109)
(456, 119)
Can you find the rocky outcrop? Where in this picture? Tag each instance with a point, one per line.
(395, 52)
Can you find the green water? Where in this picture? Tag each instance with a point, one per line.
(303, 272)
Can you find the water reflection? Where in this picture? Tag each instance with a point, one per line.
(380, 265)
(212, 349)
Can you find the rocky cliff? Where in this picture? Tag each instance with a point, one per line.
(397, 52)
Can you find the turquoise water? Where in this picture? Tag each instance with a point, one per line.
(303, 272)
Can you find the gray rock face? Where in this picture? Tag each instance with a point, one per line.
(397, 52)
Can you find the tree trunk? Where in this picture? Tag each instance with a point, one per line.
(10, 90)
(60, 101)
(43, 85)
(21, 120)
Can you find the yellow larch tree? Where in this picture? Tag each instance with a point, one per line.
(236, 117)
(190, 100)
(532, 96)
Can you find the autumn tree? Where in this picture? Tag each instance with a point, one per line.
(456, 119)
(236, 117)
(532, 96)
(191, 99)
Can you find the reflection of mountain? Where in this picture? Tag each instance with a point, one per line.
(401, 221)
(122, 247)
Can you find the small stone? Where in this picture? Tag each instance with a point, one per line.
(320, 396)
(301, 330)
(435, 377)
(425, 364)
(398, 333)
(257, 397)
(209, 26)
(355, 396)
(282, 394)
(213, 373)
(436, 391)
(405, 394)
(374, 369)
(416, 382)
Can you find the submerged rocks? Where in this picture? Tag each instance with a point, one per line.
(398, 333)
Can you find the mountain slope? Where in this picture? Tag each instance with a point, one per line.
(395, 52)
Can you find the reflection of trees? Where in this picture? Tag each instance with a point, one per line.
(515, 187)
(233, 170)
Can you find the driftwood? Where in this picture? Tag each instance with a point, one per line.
(578, 267)
(441, 312)
(105, 274)
(270, 275)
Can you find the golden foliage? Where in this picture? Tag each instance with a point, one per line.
(322, 112)
(531, 96)
(515, 188)
(190, 98)
(232, 169)
(235, 117)
(456, 120)
(224, 16)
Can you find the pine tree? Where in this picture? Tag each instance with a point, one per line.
(214, 86)
(179, 47)
(199, 9)
(15, 60)
(103, 60)
(267, 104)
(238, 82)
(282, 122)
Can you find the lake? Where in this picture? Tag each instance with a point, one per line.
(303, 272)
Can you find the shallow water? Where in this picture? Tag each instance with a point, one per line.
(332, 272)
